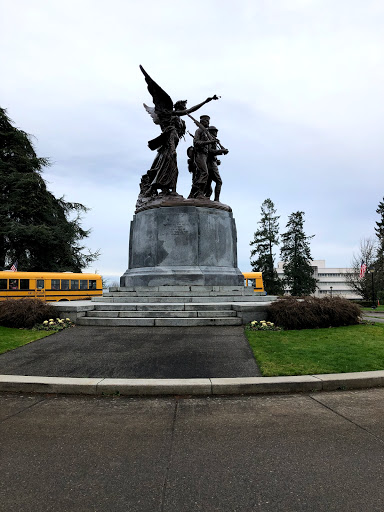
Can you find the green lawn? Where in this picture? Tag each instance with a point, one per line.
(353, 348)
(14, 338)
(379, 308)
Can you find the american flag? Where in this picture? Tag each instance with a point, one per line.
(14, 266)
(363, 269)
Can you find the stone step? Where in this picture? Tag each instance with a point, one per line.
(147, 293)
(159, 322)
(160, 314)
(222, 306)
(186, 299)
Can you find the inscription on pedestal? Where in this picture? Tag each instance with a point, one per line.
(179, 230)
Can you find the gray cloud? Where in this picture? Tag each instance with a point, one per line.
(301, 111)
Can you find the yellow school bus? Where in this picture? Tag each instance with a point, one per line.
(254, 279)
(49, 286)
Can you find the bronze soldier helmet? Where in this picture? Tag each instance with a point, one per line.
(213, 129)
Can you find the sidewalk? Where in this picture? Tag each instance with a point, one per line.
(374, 316)
(321, 452)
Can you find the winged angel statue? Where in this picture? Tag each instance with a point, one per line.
(163, 173)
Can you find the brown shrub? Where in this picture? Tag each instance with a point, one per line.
(25, 313)
(313, 312)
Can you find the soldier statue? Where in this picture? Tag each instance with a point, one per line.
(163, 173)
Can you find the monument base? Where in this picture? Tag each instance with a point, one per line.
(182, 245)
(173, 276)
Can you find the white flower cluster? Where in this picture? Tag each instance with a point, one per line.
(262, 322)
(55, 324)
(263, 326)
(51, 321)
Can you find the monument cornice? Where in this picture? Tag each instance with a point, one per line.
(178, 200)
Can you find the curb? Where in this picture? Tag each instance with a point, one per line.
(202, 387)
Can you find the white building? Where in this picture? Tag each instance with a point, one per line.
(330, 281)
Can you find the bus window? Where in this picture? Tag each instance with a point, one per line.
(83, 284)
(92, 285)
(24, 284)
(39, 284)
(3, 284)
(74, 284)
(55, 284)
(65, 284)
(13, 284)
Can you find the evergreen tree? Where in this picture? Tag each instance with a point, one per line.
(379, 263)
(296, 255)
(41, 232)
(380, 237)
(380, 225)
(265, 238)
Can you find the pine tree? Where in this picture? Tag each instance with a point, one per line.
(379, 263)
(36, 228)
(265, 238)
(380, 225)
(296, 256)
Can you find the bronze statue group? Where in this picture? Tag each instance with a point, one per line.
(202, 156)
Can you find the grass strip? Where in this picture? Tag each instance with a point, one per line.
(354, 348)
(14, 338)
(379, 309)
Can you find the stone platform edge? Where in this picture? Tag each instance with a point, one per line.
(180, 387)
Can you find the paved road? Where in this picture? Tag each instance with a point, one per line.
(320, 452)
(136, 352)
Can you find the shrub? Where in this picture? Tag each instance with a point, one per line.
(312, 312)
(363, 303)
(25, 313)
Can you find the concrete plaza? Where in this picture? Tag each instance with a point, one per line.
(306, 452)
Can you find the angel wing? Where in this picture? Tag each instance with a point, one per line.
(152, 112)
(160, 98)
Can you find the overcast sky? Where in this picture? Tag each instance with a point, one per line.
(301, 109)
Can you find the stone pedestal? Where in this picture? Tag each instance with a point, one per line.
(178, 245)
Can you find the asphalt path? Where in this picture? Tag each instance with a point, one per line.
(315, 452)
(136, 352)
